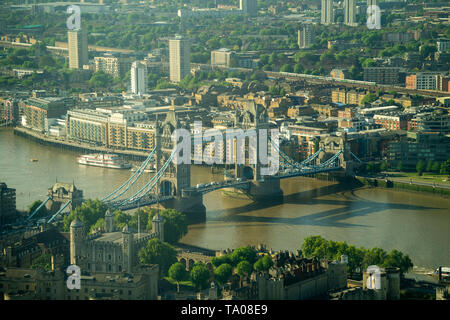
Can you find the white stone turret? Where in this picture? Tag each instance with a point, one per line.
(77, 237)
(109, 221)
(158, 226)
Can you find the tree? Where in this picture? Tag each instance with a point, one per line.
(43, 212)
(286, 68)
(428, 166)
(100, 224)
(298, 68)
(175, 224)
(178, 273)
(217, 261)
(310, 244)
(420, 167)
(369, 98)
(101, 79)
(244, 268)
(223, 273)
(89, 212)
(243, 254)
(157, 252)
(383, 166)
(396, 259)
(46, 61)
(400, 166)
(263, 264)
(44, 261)
(200, 276)
(121, 219)
(374, 256)
(141, 218)
(435, 167)
(445, 167)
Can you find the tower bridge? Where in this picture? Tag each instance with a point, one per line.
(171, 187)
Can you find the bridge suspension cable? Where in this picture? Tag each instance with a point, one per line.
(149, 185)
(59, 211)
(37, 209)
(291, 161)
(117, 193)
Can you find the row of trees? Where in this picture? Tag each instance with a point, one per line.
(358, 258)
(243, 261)
(429, 166)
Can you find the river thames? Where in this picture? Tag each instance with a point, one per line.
(414, 223)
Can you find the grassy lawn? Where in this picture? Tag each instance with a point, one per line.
(426, 177)
(186, 283)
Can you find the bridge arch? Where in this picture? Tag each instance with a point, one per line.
(248, 172)
(167, 188)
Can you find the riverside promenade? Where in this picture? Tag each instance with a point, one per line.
(64, 143)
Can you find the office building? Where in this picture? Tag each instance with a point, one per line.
(305, 36)
(249, 7)
(426, 81)
(327, 14)
(40, 113)
(116, 66)
(222, 57)
(179, 60)
(138, 77)
(78, 49)
(384, 75)
(350, 12)
(7, 204)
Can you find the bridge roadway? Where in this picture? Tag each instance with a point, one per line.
(244, 184)
(152, 198)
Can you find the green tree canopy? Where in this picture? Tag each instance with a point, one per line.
(89, 212)
(175, 224)
(177, 272)
(44, 261)
(243, 254)
(263, 264)
(244, 268)
(223, 273)
(43, 212)
(199, 276)
(160, 253)
(420, 167)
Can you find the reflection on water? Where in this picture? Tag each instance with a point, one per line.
(414, 223)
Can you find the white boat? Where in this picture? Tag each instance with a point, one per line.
(103, 160)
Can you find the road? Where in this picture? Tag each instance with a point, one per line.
(407, 180)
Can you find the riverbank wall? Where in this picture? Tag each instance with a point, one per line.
(384, 183)
(59, 143)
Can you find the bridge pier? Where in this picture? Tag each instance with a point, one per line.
(191, 205)
(267, 190)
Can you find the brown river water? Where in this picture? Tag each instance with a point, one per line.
(417, 224)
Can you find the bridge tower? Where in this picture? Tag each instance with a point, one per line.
(332, 145)
(60, 193)
(177, 176)
(262, 188)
